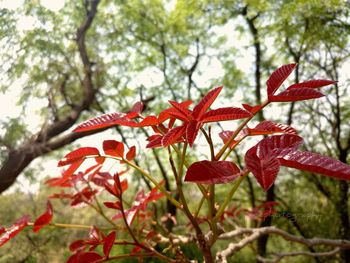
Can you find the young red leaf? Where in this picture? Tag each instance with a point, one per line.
(95, 233)
(316, 163)
(113, 205)
(113, 119)
(183, 111)
(135, 250)
(148, 121)
(140, 203)
(212, 172)
(113, 148)
(265, 169)
(78, 154)
(172, 112)
(83, 196)
(44, 219)
(137, 107)
(108, 243)
(192, 131)
(225, 114)
(153, 195)
(252, 109)
(206, 102)
(131, 153)
(278, 77)
(154, 141)
(296, 95)
(277, 145)
(103, 121)
(226, 136)
(313, 84)
(13, 230)
(173, 135)
(89, 257)
(269, 127)
(66, 174)
(78, 244)
(120, 186)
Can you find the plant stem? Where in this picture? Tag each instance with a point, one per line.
(232, 148)
(201, 202)
(229, 196)
(142, 255)
(210, 143)
(61, 225)
(236, 132)
(154, 181)
(199, 234)
(99, 209)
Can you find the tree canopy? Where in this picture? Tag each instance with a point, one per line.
(91, 57)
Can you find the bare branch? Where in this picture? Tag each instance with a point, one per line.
(280, 256)
(255, 233)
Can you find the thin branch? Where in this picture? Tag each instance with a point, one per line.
(279, 256)
(255, 233)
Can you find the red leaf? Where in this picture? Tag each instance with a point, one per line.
(89, 257)
(154, 141)
(278, 77)
(269, 127)
(113, 148)
(313, 162)
(44, 219)
(66, 180)
(95, 233)
(205, 103)
(192, 131)
(108, 243)
(131, 153)
(277, 144)
(78, 154)
(135, 250)
(173, 135)
(148, 121)
(123, 185)
(113, 205)
(226, 136)
(83, 196)
(225, 114)
(140, 203)
(72, 168)
(103, 121)
(114, 190)
(167, 113)
(212, 172)
(265, 169)
(296, 95)
(313, 84)
(13, 230)
(183, 111)
(137, 107)
(112, 119)
(77, 245)
(252, 109)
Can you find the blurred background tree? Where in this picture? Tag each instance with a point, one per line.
(90, 57)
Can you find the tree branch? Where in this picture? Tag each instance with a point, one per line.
(255, 233)
(47, 140)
